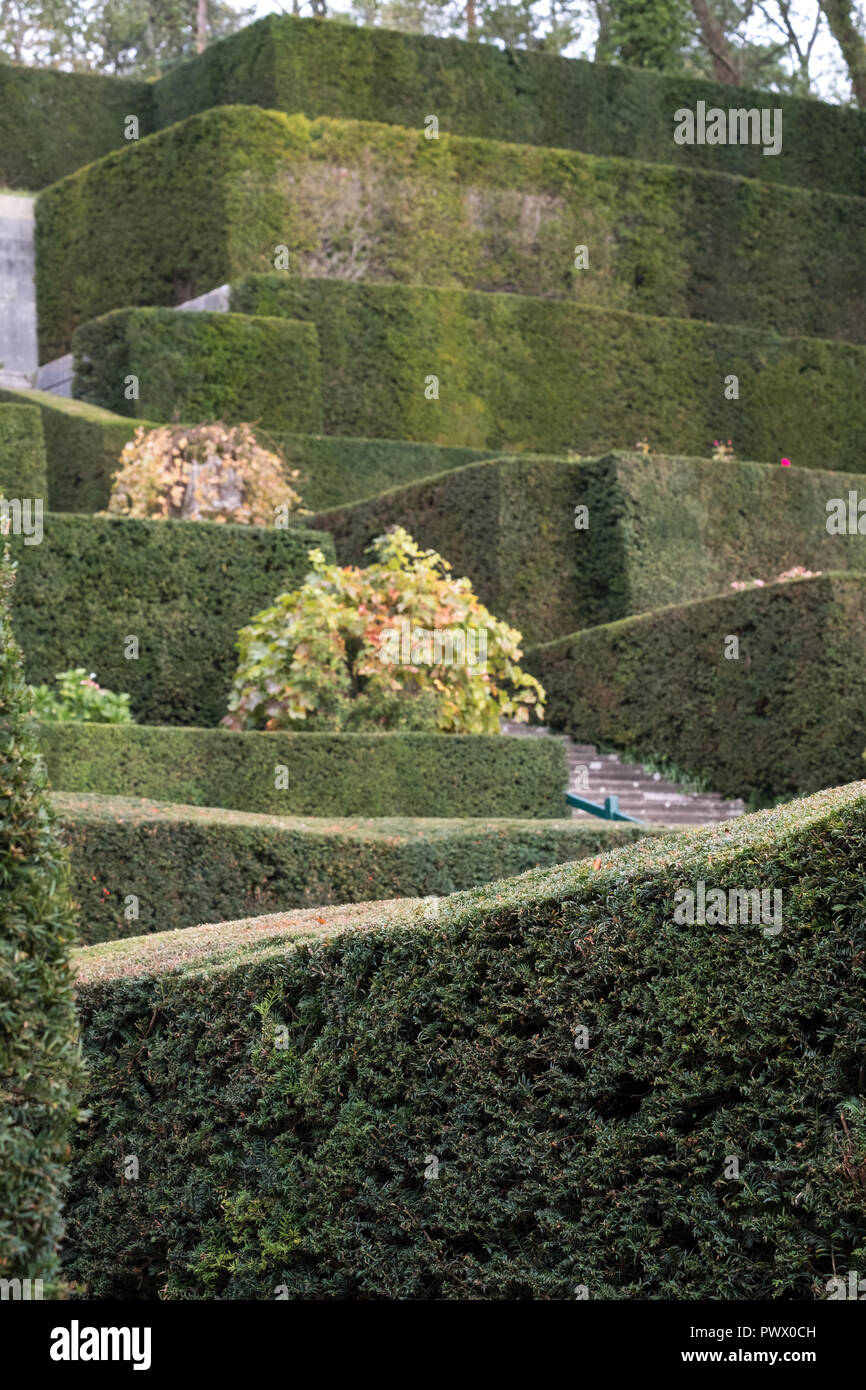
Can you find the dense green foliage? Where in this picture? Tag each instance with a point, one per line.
(785, 716)
(201, 367)
(23, 470)
(399, 643)
(182, 589)
(79, 697)
(335, 471)
(330, 69)
(188, 865)
(51, 123)
(384, 203)
(658, 530)
(291, 1094)
(40, 1072)
(516, 373)
(310, 774)
(82, 446)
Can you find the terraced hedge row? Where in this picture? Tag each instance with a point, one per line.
(52, 123)
(306, 774)
(23, 472)
(83, 444)
(201, 367)
(335, 471)
(183, 590)
(187, 865)
(658, 530)
(519, 374)
(371, 74)
(375, 1106)
(349, 197)
(784, 717)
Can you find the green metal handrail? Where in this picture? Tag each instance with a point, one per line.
(609, 811)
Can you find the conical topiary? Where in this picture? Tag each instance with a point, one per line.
(40, 1066)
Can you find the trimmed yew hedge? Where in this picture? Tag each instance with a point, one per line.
(187, 865)
(518, 374)
(182, 588)
(325, 68)
(82, 448)
(285, 1083)
(661, 530)
(785, 717)
(136, 227)
(201, 367)
(23, 470)
(337, 471)
(328, 774)
(53, 122)
(40, 1064)
(83, 445)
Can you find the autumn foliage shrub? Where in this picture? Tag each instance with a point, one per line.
(398, 645)
(202, 473)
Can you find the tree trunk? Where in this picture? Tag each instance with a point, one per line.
(471, 21)
(201, 26)
(725, 67)
(840, 19)
(604, 45)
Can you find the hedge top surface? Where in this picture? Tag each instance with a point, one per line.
(196, 947)
(93, 807)
(64, 405)
(602, 896)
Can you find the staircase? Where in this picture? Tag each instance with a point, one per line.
(18, 353)
(644, 795)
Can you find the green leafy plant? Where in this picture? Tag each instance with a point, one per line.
(79, 697)
(399, 645)
(203, 473)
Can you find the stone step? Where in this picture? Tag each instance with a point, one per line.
(647, 796)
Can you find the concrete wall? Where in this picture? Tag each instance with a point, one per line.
(18, 353)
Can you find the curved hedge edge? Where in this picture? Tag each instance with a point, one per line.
(140, 867)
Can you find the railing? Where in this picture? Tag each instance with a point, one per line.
(609, 811)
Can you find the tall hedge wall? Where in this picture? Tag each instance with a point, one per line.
(518, 374)
(23, 471)
(347, 197)
(294, 1088)
(331, 69)
(182, 588)
(82, 447)
(40, 1063)
(52, 123)
(658, 531)
(785, 716)
(328, 774)
(187, 865)
(201, 367)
